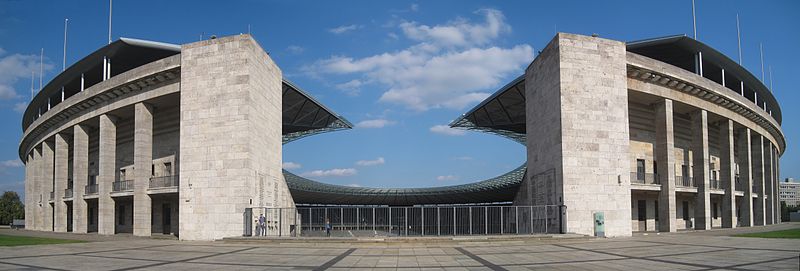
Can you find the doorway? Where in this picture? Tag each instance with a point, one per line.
(167, 218)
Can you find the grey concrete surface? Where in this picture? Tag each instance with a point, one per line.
(686, 250)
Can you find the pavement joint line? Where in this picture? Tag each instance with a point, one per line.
(483, 261)
(76, 254)
(32, 266)
(741, 248)
(765, 261)
(335, 260)
(186, 260)
(644, 258)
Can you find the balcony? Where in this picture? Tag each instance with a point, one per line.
(68, 193)
(715, 184)
(644, 178)
(91, 189)
(122, 186)
(164, 182)
(684, 181)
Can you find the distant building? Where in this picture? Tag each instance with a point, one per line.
(789, 192)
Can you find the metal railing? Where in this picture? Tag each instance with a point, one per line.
(164, 181)
(644, 178)
(715, 184)
(120, 186)
(91, 189)
(405, 221)
(68, 193)
(684, 181)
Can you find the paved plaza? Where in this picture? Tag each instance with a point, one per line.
(706, 250)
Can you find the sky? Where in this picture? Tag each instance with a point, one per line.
(400, 71)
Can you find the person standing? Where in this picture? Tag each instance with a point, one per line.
(328, 227)
(262, 225)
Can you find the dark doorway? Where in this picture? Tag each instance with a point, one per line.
(167, 219)
(69, 216)
(641, 207)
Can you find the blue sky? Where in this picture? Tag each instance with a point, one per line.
(398, 70)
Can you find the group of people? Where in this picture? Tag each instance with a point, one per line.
(261, 225)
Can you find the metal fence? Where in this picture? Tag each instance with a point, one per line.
(164, 181)
(405, 221)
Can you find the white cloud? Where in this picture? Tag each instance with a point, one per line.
(451, 65)
(353, 185)
(11, 163)
(345, 28)
(414, 7)
(463, 158)
(294, 49)
(376, 123)
(15, 67)
(445, 178)
(20, 107)
(364, 163)
(446, 130)
(336, 172)
(352, 87)
(291, 165)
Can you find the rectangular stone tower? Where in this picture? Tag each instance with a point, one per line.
(230, 136)
(577, 132)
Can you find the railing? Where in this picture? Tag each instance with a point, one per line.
(404, 221)
(52, 195)
(684, 181)
(120, 186)
(644, 178)
(164, 181)
(68, 193)
(715, 184)
(91, 189)
(739, 184)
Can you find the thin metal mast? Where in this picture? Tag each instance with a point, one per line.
(761, 50)
(694, 21)
(110, 5)
(64, 63)
(770, 78)
(41, 68)
(739, 38)
(33, 76)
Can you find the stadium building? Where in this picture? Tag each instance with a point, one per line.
(151, 138)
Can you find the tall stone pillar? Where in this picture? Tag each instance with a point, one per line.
(759, 208)
(48, 157)
(727, 173)
(230, 136)
(665, 158)
(80, 176)
(700, 170)
(768, 185)
(578, 135)
(776, 160)
(61, 178)
(142, 164)
(38, 190)
(29, 191)
(746, 176)
(107, 167)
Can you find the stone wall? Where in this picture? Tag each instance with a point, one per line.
(230, 136)
(577, 123)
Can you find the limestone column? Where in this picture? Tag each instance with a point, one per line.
(80, 175)
(727, 173)
(665, 157)
(142, 161)
(746, 176)
(758, 179)
(106, 173)
(61, 178)
(700, 170)
(47, 184)
(36, 186)
(29, 202)
(768, 185)
(777, 177)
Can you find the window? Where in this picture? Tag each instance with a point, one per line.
(655, 168)
(640, 169)
(168, 168)
(685, 210)
(656, 210)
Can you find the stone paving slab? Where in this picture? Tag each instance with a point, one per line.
(677, 251)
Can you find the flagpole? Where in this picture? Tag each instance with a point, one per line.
(739, 38)
(64, 63)
(41, 68)
(694, 21)
(110, 5)
(761, 50)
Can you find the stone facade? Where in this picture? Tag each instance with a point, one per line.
(231, 129)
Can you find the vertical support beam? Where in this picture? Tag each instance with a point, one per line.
(38, 190)
(61, 176)
(768, 185)
(758, 178)
(142, 164)
(700, 170)
(727, 173)
(746, 176)
(29, 191)
(777, 177)
(80, 175)
(665, 155)
(107, 160)
(48, 157)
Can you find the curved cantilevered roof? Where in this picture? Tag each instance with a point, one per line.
(679, 50)
(125, 54)
(304, 116)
